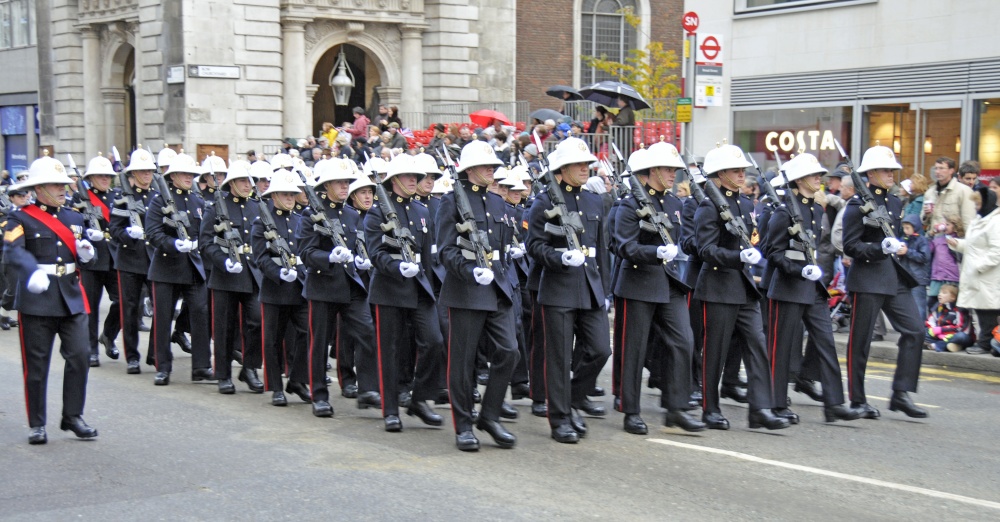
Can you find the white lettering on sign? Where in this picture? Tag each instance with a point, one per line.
(800, 141)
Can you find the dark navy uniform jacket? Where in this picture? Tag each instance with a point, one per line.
(388, 286)
(582, 287)
(168, 265)
(133, 254)
(433, 204)
(689, 241)
(273, 290)
(460, 289)
(872, 271)
(29, 243)
(106, 250)
(242, 214)
(723, 273)
(326, 281)
(784, 262)
(642, 275)
(518, 272)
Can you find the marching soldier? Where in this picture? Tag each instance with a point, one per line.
(360, 198)
(261, 172)
(164, 158)
(513, 191)
(43, 244)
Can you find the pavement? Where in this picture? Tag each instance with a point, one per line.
(887, 351)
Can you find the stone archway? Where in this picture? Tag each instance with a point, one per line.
(118, 94)
(366, 77)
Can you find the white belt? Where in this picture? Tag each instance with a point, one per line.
(587, 251)
(58, 270)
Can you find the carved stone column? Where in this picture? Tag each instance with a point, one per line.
(412, 101)
(113, 99)
(311, 90)
(293, 45)
(93, 113)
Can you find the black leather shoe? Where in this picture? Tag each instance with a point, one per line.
(162, 378)
(617, 404)
(143, 327)
(840, 412)
(95, 361)
(809, 388)
(476, 397)
(696, 396)
(466, 441)
(329, 366)
(765, 418)
(405, 398)
(867, 411)
(878, 337)
(6, 323)
(786, 413)
(278, 399)
(369, 400)
(181, 339)
(715, 421)
(78, 427)
(322, 409)
(539, 409)
(299, 389)
(507, 411)
(109, 347)
(741, 381)
(519, 391)
(392, 423)
(732, 392)
(565, 434)
(901, 401)
(327, 380)
(635, 425)
(501, 436)
(653, 383)
(579, 426)
(596, 392)
(590, 408)
(350, 391)
(37, 435)
(147, 307)
(133, 368)
(482, 378)
(249, 376)
(422, 411)
(238, 357)
(226, 387)
(677, 418)
(202, 374)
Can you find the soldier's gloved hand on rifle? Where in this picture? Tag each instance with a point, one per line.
(573, 258)
(183, 245)
(38, 282)
(516, 252)
(135, 232)
(340, 255)
(85, 250)
(361, 263)
(233, 268)
(288, 275)
(666, 252)
(812, 272)
(891, 245)
(484, 276)
(750, 255)
(95, 235)
(408, 269)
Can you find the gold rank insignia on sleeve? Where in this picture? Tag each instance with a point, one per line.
(11, 235)
(755, 238)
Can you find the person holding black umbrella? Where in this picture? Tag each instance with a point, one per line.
(626, 116)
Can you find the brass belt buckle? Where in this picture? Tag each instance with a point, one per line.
(586, 251)
(60, 270)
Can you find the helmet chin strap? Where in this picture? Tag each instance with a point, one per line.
(730, 180)
(48, 196)
(277, 203)
(358, 204)
(480, 178)
(404, 190)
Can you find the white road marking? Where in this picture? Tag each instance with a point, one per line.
(834, 474)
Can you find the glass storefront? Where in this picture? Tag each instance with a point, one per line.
(986, 123)
(918, 133)
(763, 133)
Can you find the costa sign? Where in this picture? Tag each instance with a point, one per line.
(799, 141)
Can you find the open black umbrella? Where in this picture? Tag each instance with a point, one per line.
(546, 114)
(560, 91)
(608, 92)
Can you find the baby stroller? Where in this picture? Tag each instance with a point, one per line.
(840, 307)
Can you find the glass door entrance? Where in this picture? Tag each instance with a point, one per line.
(918, 133)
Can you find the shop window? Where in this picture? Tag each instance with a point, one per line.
(747, 7)
(917, 133)
(986, 149)
(17, 23)
(605, 33)
(791, 131)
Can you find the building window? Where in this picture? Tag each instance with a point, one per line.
(605, 33)
(17, 23)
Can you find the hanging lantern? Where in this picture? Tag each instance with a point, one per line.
(341, 80)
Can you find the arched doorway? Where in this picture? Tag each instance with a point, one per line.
(366, 77)
(118, 92)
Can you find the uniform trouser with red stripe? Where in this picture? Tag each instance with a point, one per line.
(354, 327)
(393, 336)
(232, 313)
(165, 296)
(94, 284)
(723, 322)
(591, 329)
(277, 322)
(698, 332)
(520, 375)
(38, 334)
(536, 348)
(130, 297)
(902, 313)
(341, 347)
(784, 323)
(467, 327)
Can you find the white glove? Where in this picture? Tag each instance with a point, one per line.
(573, 258)
(85, 250)
(891, 245)
(361, 263)
(340, 255)
(288, 275)
(812, 272)
(607, 304)
(516, 252)
(183, 245)
(408, 269)
(38, 282)
(135, 232)
(484, 276)
(750, 255)
(233, 268)
(666, 252)
(95, 235)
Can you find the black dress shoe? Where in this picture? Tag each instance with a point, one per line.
(350, 391)
(519, 391)
(202, 374)
(878, 337)
(653, 383)
(590, 408)
(501, 436)
(482, 378)
(405, 398)
(422, 411)
(95, 361)
(328, 380)
(322, 409)
(6, 323)
(37, 435)
(579, 426)
(147, 307)
(181, 339)
(635, 425)
(507, 411)
(162, 378)
(78, 427)
(299, 389)
(249, 376)
(715, 421)
(677, 418)
(392, 423)
(238, 357)
(867, 411)
(735, 393)
(565, 434)
(539, 409)
(109, 347)
(329, 366)
(133, 368)
(369, 400)
(466, 441)
(765, 418)
(596, 392)
(696, 396)
(226, 387)
(278, 399)
(840, 412)
(786, 413)
(901, 401)
(809, 388)
(476, 397)
(143, 327)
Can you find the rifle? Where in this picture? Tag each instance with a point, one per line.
(536, 188)
(619, 180)
(805, 240)
(569, 222)
(323, 224)
(275, 243)
(394, 233)
(874, 213)
(172, 217)
(734, 223)
(765, 187)
(5, 204)
(84, 206)
(134, 208)
(650, 220)
(117, 165)
(230, 239)
(478, 242)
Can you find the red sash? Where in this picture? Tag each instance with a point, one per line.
(64, 233)
(96, 201)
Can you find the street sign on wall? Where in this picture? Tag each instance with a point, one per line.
(708, 71)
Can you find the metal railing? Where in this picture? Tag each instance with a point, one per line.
(628, 138)
(459, 112)
(661, 109)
